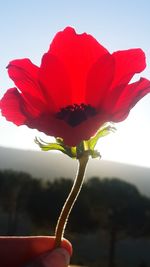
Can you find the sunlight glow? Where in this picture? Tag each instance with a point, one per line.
(30, 36)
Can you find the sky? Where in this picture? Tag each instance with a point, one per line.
(26, 29)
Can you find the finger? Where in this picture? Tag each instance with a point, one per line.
(22, 250)
(57, 258)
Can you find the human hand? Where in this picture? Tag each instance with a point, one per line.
(59, 257)
(24, 251)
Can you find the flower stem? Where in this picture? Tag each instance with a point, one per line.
(63, 218)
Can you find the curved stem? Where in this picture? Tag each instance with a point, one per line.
(62, 221)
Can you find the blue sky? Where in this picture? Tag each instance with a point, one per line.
(26, 30)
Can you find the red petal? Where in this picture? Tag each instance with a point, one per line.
(72, 135)
(99, 80)
(128, 99)
(77, 52)
(128, 62)
(84, 131)
(53, 78)
(25, 76)
(11, 107)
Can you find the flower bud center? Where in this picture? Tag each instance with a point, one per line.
(76, 113)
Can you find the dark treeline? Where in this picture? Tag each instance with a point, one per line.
(110, 209)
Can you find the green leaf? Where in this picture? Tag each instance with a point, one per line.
(49, 146)
(59, 146)
(95, 154)
(59, 141)
(76, 152)
(101, 133)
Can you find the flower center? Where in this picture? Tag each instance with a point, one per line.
(75, 114)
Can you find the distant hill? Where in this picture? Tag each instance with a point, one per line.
(49, 165)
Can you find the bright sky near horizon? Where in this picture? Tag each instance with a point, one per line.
(26, 30)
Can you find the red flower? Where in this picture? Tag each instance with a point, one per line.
(78, 87)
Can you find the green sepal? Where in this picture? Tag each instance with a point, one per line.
(76, 152)
(95, 154)
(105, 130)
(48, 146)
(59, 146)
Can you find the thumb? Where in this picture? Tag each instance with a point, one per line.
(57, 258)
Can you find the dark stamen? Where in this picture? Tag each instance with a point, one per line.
(75, 114)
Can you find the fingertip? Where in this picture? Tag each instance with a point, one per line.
(58, 257)
(67, 245)
(61, 256)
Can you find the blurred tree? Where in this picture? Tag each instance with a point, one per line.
(81, 219)
(145, 230)
(46, 201)
(14, 190)
(112, 205)
(118, 208)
